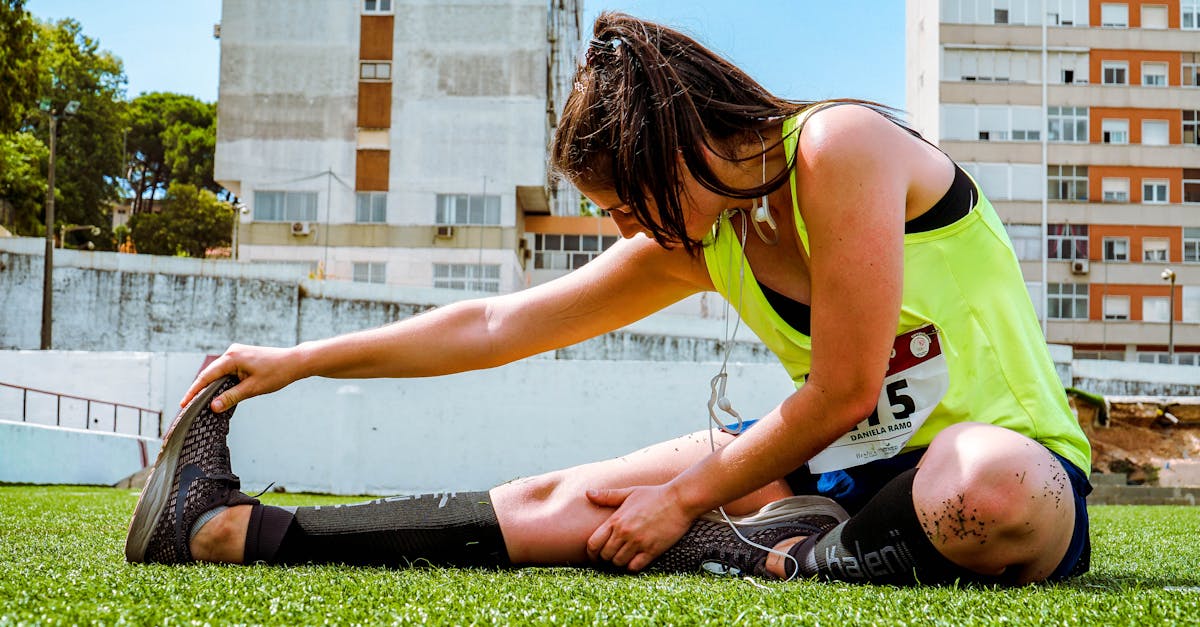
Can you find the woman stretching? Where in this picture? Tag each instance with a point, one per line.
(928, 439)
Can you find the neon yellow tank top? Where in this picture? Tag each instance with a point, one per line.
(965, 280)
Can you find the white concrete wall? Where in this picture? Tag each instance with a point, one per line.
(468, 431)
(475, 430)
(111, 301)
(1131, 378)
(39, 454)
(152, 381)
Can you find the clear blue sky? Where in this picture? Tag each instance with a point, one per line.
(804, 49)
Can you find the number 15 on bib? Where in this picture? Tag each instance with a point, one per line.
(917, 379)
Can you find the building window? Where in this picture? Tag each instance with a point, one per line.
(1115, 189)
(1067, 124)
(1154, 74)
(1067, 301)
(1115, 73)
(1155, 249)
(1191, 185)
(1154, 191)
(375, 70)
(1109, 355)
(1191, 244)
(1190, 14)
(1154, 16)
(1191, 127)
(567, 252)
(467, 276)
(1067, 241)
(1026, 240)
(1000, 16)
(1114, 15)
(1156, 308)
(370, 272)
(1190, 74)
(1116, 249)
(1114, 131)
(468, 209)
(1067, 182)
(371, 207)
(1190, 70)
(1156, 132)
(1116, 307)
(1151, 357)
(285, 206)
(377, 6)
(1191, 303)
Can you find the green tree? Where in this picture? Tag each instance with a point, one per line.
(22, 184)
(192, 220)
(172, 138)
(18, 64)
(88, 149)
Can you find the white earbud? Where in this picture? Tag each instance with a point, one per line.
(762, 213)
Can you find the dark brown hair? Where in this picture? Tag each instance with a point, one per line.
(646, 93)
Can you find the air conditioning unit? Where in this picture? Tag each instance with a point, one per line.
(301, 228)
(1080, 266)
(445, 231)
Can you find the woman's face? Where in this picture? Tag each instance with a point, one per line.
(701, 208)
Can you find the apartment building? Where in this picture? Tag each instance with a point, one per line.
(1080, 119)
(394, 141)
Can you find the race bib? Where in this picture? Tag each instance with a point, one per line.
(916, 381)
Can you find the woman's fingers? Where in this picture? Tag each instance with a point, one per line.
(598, 541)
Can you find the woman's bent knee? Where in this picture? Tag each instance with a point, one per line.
(993, 500)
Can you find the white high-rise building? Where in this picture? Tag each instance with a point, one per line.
(394, 141)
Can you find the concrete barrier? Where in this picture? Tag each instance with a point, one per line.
(31, 453)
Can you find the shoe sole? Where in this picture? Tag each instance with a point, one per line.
(157, 493)
(785, 509)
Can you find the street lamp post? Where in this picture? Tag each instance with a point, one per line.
(48, 268)
(1169, 275)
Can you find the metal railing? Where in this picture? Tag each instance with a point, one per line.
(88, 404)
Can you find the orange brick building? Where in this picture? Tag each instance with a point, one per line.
(1080, 119)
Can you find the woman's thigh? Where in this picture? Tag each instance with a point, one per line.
(547, 519)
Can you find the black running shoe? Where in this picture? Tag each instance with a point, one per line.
(712, 546)
(191, 476)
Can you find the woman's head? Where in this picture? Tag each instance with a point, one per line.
(649, 105)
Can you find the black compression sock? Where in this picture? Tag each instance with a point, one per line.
(265, 531)
(884, 543)
(449, 529)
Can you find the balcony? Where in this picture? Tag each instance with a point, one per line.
(1113, 273)
(1057, 37)
(1118, 332)
(1073, 95)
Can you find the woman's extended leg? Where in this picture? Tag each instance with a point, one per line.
(544, 519)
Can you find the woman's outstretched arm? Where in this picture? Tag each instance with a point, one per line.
(631, 280)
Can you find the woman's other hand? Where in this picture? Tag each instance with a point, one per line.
(648, 521)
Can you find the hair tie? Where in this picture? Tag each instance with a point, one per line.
(596, 46)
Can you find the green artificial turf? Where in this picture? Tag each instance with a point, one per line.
(61, 562)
